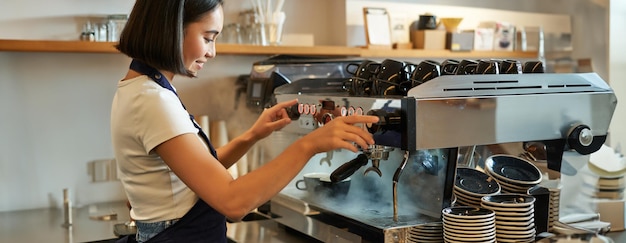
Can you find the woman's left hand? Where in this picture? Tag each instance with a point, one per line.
(272, 119)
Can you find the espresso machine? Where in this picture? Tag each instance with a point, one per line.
(428, 112)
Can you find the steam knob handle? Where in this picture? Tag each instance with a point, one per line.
(327, 117)
(293, 112)
(386, 120)
(580, 138)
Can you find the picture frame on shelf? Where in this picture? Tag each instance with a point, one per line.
(377, 28)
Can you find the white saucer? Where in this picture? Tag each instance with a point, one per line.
(467, 213)
(507, 209)
(475, 226)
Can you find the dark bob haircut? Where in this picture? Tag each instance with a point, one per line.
(154, 31)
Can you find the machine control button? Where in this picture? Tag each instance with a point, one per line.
(313, 109)
(351, 111)
(344, 111)
(358, 111)
(306, 109)
(293, 112)
(387, 120)
(301, 108)
(326, 118)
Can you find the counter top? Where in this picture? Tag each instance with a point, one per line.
(46, 225)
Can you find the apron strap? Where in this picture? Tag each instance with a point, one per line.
(154, 74)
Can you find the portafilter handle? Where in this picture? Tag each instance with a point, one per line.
(346, 170)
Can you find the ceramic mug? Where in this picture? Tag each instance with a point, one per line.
(319, 186)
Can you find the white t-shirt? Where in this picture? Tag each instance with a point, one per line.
(144, 115)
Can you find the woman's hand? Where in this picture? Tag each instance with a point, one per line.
(272, 119)
(342, 132)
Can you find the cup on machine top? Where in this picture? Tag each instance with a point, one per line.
(361, 82)
(390, 74)
(487, 67)
(533, 67)
(511, 67)
(466, 67)
(449, 67)
(426, 70)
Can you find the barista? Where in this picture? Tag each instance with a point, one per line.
(177, 183)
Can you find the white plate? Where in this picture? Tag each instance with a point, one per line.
(470, 236)
(465, 238)
(513, 168)
(469, 221)
(530, 218)
(470, 230)
(515, 214)
(475, 182)
(475, 226)
(506, 240)
(507, 209)
(512, 234)
(515, 228)
(467, 198)
(516, 224)
(467, 213)
(422, 238)
(509, 200)
(513, 189)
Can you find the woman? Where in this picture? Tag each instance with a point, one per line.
(178, 189)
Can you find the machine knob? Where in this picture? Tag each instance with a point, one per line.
(293, 112)
(327, 117)
(580, 138)
(387, 120)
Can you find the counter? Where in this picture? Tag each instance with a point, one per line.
(45, 225)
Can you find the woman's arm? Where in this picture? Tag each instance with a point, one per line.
(206, 176)
(270, 120)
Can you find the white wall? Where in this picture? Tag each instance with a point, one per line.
(54, 107)
(617, 74)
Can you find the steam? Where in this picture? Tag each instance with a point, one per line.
(370, 199)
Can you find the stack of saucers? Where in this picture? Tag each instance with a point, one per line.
(514, 174)
(469, 224)
(515, 216)
(554, 186)
(471, 185)
(430, 232)
(605, 186)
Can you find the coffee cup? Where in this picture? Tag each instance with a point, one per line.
(319, 185)
(310, 181)
(487, 67)
(427, 22)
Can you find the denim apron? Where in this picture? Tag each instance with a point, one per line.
(202, 223)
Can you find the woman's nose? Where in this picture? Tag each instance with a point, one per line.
(211, 51)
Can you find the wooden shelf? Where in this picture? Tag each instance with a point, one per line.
(447, 54)
(57, 46)
(234, 49)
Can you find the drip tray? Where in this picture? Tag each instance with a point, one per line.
(326, 223)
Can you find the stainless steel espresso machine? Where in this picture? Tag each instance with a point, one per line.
(427, 112)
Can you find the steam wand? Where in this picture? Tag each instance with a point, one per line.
(396, 178)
